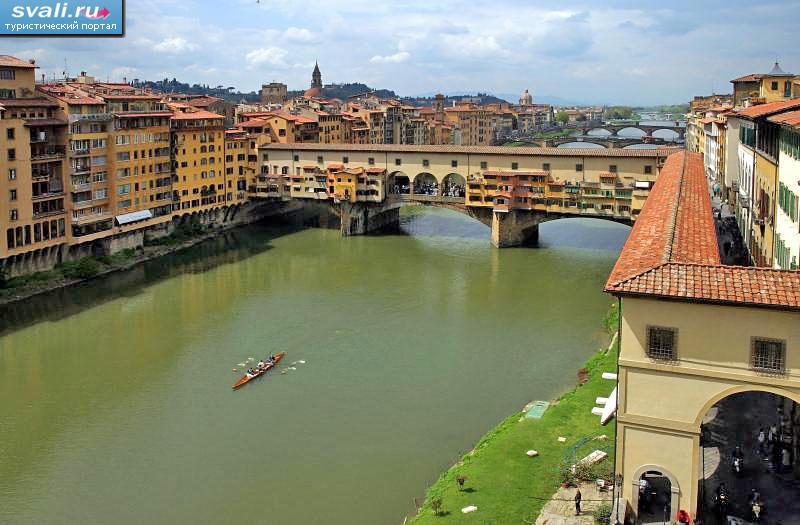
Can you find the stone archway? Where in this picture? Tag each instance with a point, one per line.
(398, 183)
(454, 185)
(667, 495)
(426, 184)
(731, 425)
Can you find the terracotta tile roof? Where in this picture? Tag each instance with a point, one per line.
(9, 61)
(202, 102)
(762, 110)
(672, 251)
(748, 78)
(194, 115)
(376, 170)
(479, 150)
(791, 118)
(129, 97)
(39, 102)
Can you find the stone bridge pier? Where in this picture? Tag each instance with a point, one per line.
(515, 228)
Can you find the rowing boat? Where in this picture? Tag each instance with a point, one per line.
(260, 372)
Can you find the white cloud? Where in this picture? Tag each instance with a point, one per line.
(397, 58)
(174, 45)
(273, 56)
(300, 35)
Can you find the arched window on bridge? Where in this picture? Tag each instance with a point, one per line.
(426, 184)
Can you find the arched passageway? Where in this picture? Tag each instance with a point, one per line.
(426, 184)
(656, 497)
(398, 183)
(631, 133)
(454, 185)
(749, 454)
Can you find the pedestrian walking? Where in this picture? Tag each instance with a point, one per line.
(578, 502)
(762, 442)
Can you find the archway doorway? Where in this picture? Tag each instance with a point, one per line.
(655, 498)
(764, 426)
(398, 183)
(426, 184)
(454, 185)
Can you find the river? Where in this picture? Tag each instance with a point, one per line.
(116, 399)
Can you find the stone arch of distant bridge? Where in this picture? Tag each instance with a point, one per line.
(647, 130)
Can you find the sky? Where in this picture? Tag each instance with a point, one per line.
(609, 52)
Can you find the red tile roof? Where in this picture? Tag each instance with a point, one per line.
(748, 78)
(9, 61)
(762, 110)
(136, 114)
(672, 251)
(40, 102)
(194, 115)
(791, 118)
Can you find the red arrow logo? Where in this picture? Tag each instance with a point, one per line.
(103, 13)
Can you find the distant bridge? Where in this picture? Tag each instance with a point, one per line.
(648, 129)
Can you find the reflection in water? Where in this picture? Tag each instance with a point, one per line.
(116, 394)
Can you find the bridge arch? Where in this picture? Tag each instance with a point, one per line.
(426, 184)
(453, 185)
(669, 135)
(398, 183)
(599, 132)
(632, 132)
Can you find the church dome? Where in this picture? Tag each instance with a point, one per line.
(312, 92)
(525, 99)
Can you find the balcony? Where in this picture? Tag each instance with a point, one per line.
(49, 195)
(48, 153)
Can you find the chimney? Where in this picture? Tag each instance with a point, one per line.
(124, 80)
(32, 61)
(83, 73)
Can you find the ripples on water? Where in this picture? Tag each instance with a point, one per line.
(117, 402)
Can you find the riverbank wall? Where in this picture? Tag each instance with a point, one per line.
(37, 275)
(135, 239)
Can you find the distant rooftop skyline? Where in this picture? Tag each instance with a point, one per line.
(620, 52)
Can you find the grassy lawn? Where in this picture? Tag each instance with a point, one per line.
(506, 485)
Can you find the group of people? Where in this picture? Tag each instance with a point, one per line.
(774, 446)
(262, 366)
(448, 189)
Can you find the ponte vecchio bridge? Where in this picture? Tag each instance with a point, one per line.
(511, 190)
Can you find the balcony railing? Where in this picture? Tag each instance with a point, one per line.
(51, 152)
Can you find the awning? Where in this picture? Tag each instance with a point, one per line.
(135, 216)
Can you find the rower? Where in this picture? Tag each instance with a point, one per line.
(261, 364)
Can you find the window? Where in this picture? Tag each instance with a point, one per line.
(7, 74)
(612, 168)
(774, 86)
(578, 167)
(13, 215)
(345, 160)
(12, 195)
(546, 166)
(12, 154)
(319, 159)
(453, 163)
(123, 189)
(297, 158)
(515, 165)
(371, 161)
(10, 133)
(661, 343)
(12, 174)
(425, 163)
(484, 165)
(398, 162)
(768, 355)
(648, 170)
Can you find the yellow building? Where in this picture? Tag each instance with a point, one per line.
(33, 151)
(762, 88)
(686, 392)
(473, 125)
(198, 156)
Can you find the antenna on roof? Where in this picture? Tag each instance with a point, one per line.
(66, 71)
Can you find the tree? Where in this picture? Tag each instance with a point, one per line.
(562, 117)
(436, 505)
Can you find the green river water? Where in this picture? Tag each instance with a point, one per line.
(115, 398)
